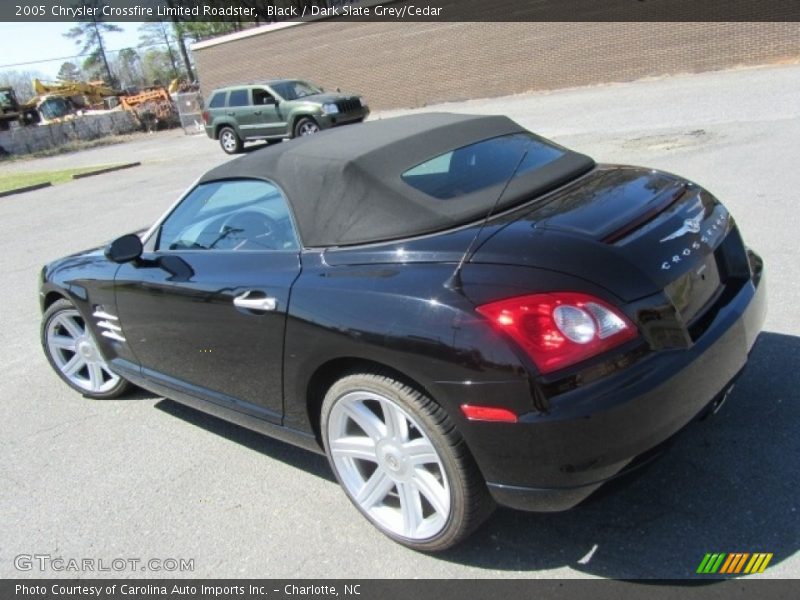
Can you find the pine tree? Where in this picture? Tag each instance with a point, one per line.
(89, 36)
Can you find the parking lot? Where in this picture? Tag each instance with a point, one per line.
(144, 477)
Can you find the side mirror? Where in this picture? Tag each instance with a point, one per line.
(124, 249)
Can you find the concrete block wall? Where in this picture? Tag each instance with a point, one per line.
(35, 138)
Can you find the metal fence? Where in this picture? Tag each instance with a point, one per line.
(190, 111)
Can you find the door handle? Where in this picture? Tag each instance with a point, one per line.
(257, 303)
(231, 114)
(257, 112)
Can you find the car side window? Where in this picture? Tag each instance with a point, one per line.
(238, 98)
(262, 97)
(234, 215)
(217, 100)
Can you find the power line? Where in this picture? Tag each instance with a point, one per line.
(44, 60)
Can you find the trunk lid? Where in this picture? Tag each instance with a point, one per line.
(636, 232)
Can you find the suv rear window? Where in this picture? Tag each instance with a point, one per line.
(238, 98)
(481, 165)
(217, 100)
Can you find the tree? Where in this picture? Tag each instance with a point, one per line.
(128, 65)
(156, 67)
(92, 67)
(89, 36)
(196, 31)
(189, 31)
(157, 33)
(22, 82)
(69, 72)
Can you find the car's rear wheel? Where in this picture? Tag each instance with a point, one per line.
(402, 462)
(305, 126)
(73, 353)
(229, 141)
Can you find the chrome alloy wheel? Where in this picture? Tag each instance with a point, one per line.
(388, 465)
(308, 128)
(76, 355)
(229, 141)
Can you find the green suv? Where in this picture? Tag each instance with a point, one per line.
(274, 110)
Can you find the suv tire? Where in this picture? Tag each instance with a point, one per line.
(229, 141)
(305, 126)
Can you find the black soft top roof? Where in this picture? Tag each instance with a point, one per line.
(345, 187)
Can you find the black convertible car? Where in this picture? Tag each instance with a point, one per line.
(455, 310)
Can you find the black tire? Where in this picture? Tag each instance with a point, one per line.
(305, 126)
(229, 141)
(50, 324)
(469, 500)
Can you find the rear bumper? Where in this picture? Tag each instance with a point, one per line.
(552, 461)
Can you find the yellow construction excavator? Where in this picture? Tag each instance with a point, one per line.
(93, 91)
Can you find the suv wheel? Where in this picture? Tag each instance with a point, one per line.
(305, 126)
(230, 142)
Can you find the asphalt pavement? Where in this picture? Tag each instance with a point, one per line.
(145, 478)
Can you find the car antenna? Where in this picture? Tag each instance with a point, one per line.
(454, 281)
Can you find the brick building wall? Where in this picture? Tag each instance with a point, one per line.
(398, 65)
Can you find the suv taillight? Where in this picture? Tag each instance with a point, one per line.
(205, 117)
(561, 328)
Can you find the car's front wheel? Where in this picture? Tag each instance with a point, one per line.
(229, 141)
(402, 462)
(73, 353)
(305, 126)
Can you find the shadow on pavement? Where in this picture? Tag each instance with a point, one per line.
(316, 464)
(727, 484)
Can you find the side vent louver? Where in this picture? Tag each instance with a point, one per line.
(109, 324)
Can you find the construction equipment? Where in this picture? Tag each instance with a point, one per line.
(11, 111)
(56, 102)
(88, 94)
(9, 107)
(153, 106)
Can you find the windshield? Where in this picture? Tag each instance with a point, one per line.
(292, 90)
(5, 99)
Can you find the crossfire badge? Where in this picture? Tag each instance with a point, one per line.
(691, 225)
(694, 225)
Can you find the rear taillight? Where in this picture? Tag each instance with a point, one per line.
(205, 117)
(561, 328)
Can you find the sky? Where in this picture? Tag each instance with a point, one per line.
(27, 42)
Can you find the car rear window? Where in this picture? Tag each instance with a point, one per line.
(238, 98)
(217, 100)
(481, 165)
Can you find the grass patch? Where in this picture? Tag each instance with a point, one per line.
(13, 181)
(67, 148)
